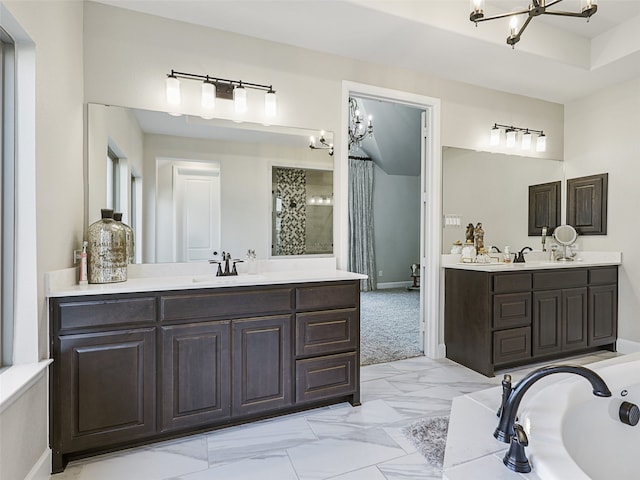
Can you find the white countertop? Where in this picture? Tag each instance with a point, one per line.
(151, 278)
(536, 261)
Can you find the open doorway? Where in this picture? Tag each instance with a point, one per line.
(429, 193)
(385, 202)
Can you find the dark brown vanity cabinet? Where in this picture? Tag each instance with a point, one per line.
(137, 368)
(503, 319)
(327, 342)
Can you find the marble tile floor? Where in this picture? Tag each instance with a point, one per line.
(339, 442)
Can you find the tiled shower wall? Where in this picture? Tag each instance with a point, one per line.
(291, 189)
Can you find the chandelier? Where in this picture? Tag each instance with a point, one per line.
(357, 130)
(536, 8)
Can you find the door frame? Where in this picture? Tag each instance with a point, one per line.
(431, 203)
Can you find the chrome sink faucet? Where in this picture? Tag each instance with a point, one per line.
(508, 431)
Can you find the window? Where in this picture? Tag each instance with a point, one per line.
(113, 181)
(7, 60)
(19, 322)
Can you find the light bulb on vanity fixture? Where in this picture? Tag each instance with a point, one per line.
(173, 90)
(541, 143)
(511, 136)
(208, 99)
(239, 99)
(213, 88)
(270, 104)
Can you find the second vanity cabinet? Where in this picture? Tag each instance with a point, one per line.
(501, 319)
(136, 368)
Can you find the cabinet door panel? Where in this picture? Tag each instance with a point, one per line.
(603, 314)
(326, 332)
(511, 345)
(107, 388)
(511, 310)
(574, 314)
(262, 368)
(196, 386)
(325, 377)
(547, 322)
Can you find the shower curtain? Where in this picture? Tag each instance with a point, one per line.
(361, 248)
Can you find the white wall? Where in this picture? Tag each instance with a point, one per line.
(602, 136)
(492, 189)
(56, 29)
(396, 216)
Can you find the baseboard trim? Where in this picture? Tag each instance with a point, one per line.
(383, 286)
(627, 346)
(42, 469)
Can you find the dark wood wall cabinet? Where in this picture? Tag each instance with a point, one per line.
(505, 319)
(587, 204)
(131, 369)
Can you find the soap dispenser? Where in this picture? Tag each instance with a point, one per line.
(507, 254)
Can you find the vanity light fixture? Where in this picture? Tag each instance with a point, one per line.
(535, 8)
(511, 136)
(213, 88)
(324, 145)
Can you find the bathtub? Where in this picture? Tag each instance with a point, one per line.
(576, 435)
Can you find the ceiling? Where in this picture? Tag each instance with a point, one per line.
(558, 59)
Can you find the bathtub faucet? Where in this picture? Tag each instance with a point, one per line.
(508, 431)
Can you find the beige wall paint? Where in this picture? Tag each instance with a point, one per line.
(56, 29)
(602, 136)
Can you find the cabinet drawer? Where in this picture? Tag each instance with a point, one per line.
(511, 310)
(600, 276)
(560, 279)
(226, 304)
(515, 282)
(511, 345)
(326, 377)
(105, 313)
(323, 297)
(326, 332)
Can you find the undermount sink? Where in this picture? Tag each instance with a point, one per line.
(231, 279)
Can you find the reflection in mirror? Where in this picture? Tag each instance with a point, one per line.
(492, 189)
(192, 186)
(302, 211)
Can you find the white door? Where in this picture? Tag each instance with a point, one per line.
(197, 214)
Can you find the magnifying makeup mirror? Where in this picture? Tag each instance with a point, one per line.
(565, 235)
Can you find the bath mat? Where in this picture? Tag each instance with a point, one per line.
(429, 436)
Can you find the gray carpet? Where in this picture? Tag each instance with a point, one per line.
(389, 325)
(429, 436)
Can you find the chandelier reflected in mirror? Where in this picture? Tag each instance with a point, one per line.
(358, 131)
(535, 8)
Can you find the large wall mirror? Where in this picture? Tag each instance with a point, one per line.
(190, 186)
(492, 189)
